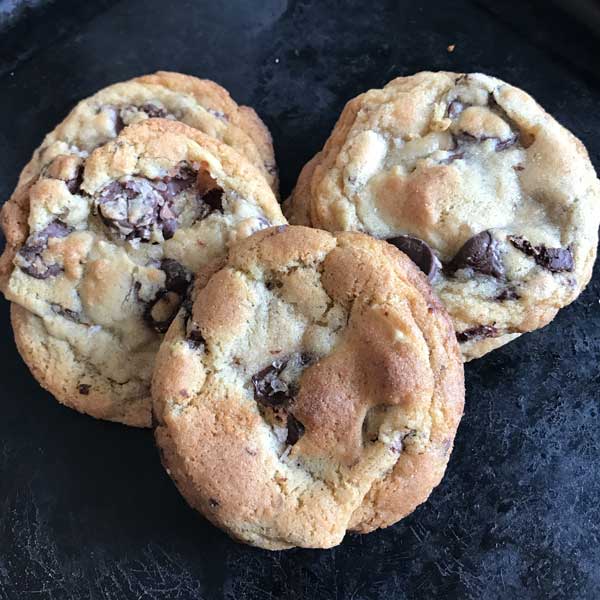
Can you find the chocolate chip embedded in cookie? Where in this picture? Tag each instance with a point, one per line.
(475, 170)
(323, 395)
(101, 267)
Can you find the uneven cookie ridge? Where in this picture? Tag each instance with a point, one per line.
(199, 103)
(313, 386)
(505, 196)
(103, 260)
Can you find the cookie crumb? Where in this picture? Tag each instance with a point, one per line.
(451, 47)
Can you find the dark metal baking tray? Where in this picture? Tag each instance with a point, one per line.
(86, 510)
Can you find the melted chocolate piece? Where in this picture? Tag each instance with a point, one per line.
(183, 179)
(555, 260)
(178, 278)
(74, 184)
(507, 294)
(136, 207)
(419, 252)
(195, 339)
(209, 192)
(455, 108)
(131, 208)
(214, 199)
(31, 252)
(153, 111)
(269, 390)
(479, 332)
(84, 389)
(479, 253)
(67, 313)
(295, 430)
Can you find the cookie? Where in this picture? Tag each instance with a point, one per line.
(312, 386)
(504, 198)
(100, 252)
(199, 103)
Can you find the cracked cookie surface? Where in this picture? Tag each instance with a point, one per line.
(199, 103)
(504, 196)
(100, 253)
(311, 386)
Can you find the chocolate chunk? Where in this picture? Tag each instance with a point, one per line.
(177, 276)
(84, 389)
(67, 313)
(479, 253)
(114, 114)
(217, 113)
(213, 503)
(74, 184)
(555, 260)
(195, 339)
(295, 430)
(464, 138)
(183, 179)
(455, 108)
(130, 207)
(419, 252)
(507, 143)
(214, 199)
(30, 254)
(160, 312)
(269, 389)
(209, 191)
(507, 294)
(473, 333)
(154, 111)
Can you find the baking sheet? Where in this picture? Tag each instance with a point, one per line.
(85, 508)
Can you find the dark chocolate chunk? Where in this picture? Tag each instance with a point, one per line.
(67, 313)
(214, 199)
(507, 143)
(160, 312)
(209, 192)
(177, 276)
(195, 339)
(183, 179)
(295, 430)
(481, 331)
(419, 252)
(555, 260)
(154, 111)
(479, 253)
(84, 389)
(130, 207)
(136, 207)
(74, 184)
(114, 115)
(213, 503)
(455, 108)
(30, 254)
(507, 294)
(269, 389)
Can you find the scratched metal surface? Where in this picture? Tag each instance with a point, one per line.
(85, 508)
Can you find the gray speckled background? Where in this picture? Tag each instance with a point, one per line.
(85, 508)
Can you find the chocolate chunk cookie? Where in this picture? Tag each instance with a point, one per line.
(312, 386)
(97, 270)
(199, 103)
(477, 172)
